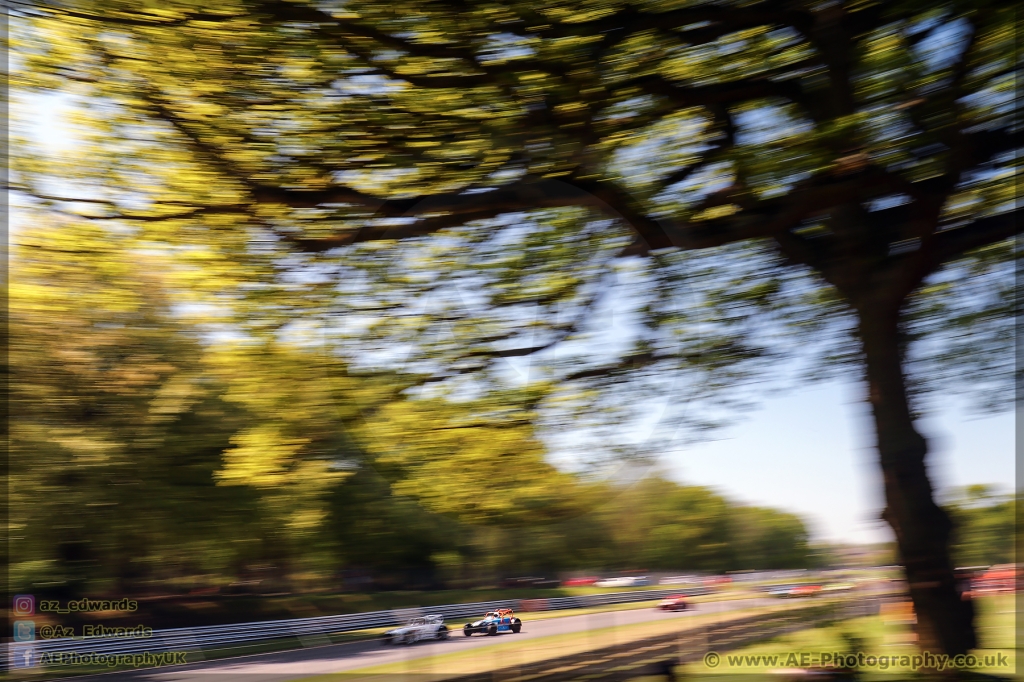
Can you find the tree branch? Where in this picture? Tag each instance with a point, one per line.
(953, 243)
(831, 37)
(422, 227)
(625, 365)
(526, 194)
(718, 94)
(284, 10)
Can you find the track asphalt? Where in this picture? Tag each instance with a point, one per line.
(297, 664)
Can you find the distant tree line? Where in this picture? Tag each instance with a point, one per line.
(985, 526)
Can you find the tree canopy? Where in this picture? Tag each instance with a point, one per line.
(847, 165)
(259, 139)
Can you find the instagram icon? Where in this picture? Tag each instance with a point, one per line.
(24, 604)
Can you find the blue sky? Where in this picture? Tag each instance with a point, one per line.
(810, 451)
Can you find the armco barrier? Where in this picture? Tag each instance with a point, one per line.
(313, 629)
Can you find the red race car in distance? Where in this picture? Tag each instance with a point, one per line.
(675, 602)
(580, 582)
(805, 590)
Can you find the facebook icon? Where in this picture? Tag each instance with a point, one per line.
(23, 656)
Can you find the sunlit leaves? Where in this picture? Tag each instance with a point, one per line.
(471, 460)
(112, 416)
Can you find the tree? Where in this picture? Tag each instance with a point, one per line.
(868, 144)
(984, 532)
(470, 461)
(116, 430)
(663, 525)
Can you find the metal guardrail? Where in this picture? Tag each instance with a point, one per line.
(313, 629)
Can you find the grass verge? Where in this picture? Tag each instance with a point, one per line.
(887, 639)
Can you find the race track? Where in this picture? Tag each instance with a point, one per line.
(302, 663)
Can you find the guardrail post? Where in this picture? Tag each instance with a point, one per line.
(195, 645)
(310, 639)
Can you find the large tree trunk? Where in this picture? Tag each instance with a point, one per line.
(945, 621)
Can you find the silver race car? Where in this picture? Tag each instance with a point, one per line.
(427, 627)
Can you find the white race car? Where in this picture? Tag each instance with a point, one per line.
(427, 627)
(625, 581)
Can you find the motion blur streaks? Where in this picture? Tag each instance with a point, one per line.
(418, 293)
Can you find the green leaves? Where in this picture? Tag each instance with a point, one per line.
(984, 526)
(479, 462)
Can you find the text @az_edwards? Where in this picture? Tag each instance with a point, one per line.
(88, 631)
(860, 661)
(89, 605)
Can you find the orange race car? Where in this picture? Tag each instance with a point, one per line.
(675, 602)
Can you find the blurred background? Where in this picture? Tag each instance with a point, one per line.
(325, 307)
